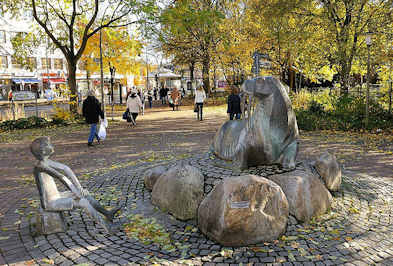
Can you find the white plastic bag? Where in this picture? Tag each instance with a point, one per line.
(102, 132)
(105, 122)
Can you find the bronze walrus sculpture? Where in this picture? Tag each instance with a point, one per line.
(269, 136)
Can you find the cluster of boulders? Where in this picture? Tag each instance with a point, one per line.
(246, 209)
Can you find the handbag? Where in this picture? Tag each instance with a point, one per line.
(126, 114)
(196, 108)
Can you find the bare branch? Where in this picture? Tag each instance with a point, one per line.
(58, 14)
(85, 35)
(46, 29)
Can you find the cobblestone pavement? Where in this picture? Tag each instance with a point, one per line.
(358, 230)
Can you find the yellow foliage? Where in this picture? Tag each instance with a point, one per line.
(119, 50)
(62, 114)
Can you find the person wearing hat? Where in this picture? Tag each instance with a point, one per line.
(134, 105)
(91, 110)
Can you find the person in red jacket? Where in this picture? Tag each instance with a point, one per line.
(10, 96)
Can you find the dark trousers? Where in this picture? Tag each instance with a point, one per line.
(134, 115)
(200, 111)
(150, 102)
(231, 115)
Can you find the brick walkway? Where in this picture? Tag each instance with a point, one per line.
(358, 230)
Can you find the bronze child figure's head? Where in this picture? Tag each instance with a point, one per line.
(41, 148)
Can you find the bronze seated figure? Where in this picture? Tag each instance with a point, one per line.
(53, 202)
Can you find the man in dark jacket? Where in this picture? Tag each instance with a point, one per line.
(234, 109)
(162, 96)
(91, 110)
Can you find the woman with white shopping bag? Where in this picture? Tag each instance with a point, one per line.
(91, 110)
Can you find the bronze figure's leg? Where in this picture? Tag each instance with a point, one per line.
(108, 214)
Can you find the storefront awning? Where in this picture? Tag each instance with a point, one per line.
(168, 75)
(55, 80)
(26, 80)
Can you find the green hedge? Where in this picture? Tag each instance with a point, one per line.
(348, 113)
(34, 122)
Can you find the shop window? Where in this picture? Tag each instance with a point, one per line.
(15, 63)
(13, 34)
(3, 62)
(2, 36)
(46, 63)
(28, 14)
(58, 63)
(82, 65)
(32, 62)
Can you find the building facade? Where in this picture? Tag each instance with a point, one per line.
(47, 67)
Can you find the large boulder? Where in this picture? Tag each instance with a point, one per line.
(151, 176)
(307, 195)
(244, 210)
(330, 171)
(179, 191)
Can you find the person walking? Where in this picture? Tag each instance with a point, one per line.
(200, 97)
(150, 98)
(183, 93)
(234, 100)
(175, 96)
(166, 91)
(155, 94)
(10, 95)
(134, 105)
(141, 95)
(162, 96)
(91, 110)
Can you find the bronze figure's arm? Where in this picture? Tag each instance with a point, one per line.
(63, 179)
(67, 171)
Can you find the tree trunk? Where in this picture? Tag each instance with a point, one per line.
(344, 77)
(88, 79)
(192, 68)
(205, 73)
(73, 87)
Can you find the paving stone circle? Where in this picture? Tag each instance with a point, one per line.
(358, 230)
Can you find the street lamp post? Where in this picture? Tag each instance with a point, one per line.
(102, 75)
(368, 43)
(113, 72)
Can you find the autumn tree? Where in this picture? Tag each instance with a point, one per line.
(347, 22)
(192, 27)
(59, 20)
(233, 52)
(119, 49)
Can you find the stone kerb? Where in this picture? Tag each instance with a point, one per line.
(179, 191)
(244, 210)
